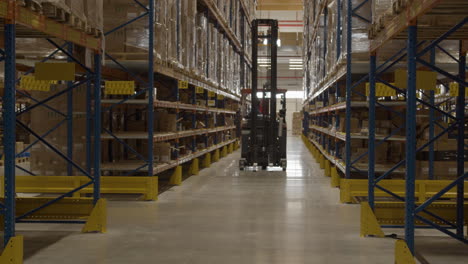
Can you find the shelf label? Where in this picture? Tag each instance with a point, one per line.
(211, 94)
(211, 103)
(29, 82)
(183, 85)
(425, 80)
(119, 87)
(454, 89)
(381, 90)
(220, 97)
(199, 90)
(46, 71)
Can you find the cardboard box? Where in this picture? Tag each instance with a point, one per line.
(397, 151)
(381, 152)
(443, 170)
(357, 153)
(382, 131)
(365, 127)
(355, 125)
(167, 122)
(136, 125)
(162, 151)
(446, 145)
(357, 143)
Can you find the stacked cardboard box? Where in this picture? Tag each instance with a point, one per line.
(297, 123)
(162, 152)
(166, 122)
(184, 38)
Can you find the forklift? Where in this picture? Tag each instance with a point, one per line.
(264, 128)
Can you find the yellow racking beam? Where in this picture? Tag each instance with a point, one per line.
(148, 186)
(350, 188)
(66, 209)
(393, 213)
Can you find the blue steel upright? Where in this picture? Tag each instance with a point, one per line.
(410, 137)
(150, 87)
(97, 127)
(9, 137)
(371, 147)
(70, 117)
(89, 124)
(348, 89)
(460, 108)
(431, 123)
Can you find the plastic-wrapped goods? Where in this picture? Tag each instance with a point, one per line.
(187, 27)
(192, 35)
(75, 8)
(248, 40)
(380, 7)
(132, 38)
(94, 11)
(89, 11)
(331, 37)
(213, 54)
(359, 28)
(160, 30)
(220, 59)
(174, 36)
(201, 41)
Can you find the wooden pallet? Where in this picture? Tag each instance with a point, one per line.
(18, 160)
(77, 22)
(31, 4)
(54, 12)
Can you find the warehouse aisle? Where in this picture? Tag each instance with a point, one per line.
(226, 216)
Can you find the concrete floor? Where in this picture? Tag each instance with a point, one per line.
(225, 216)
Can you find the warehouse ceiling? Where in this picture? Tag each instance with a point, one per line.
(290, 16)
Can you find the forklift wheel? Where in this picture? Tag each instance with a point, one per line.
(241, 165)
(284, 164)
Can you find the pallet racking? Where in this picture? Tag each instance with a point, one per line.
(419, 49)
(203, 100)
(219, 101)
(22, 21)
(405, 25)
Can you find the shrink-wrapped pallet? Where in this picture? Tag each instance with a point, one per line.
(359, 28)
(75, 8)
(160, 30)
(331, 55)
(94, 13)
(380, 7)
(201, 44)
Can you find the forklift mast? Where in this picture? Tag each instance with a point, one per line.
(264, 136)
